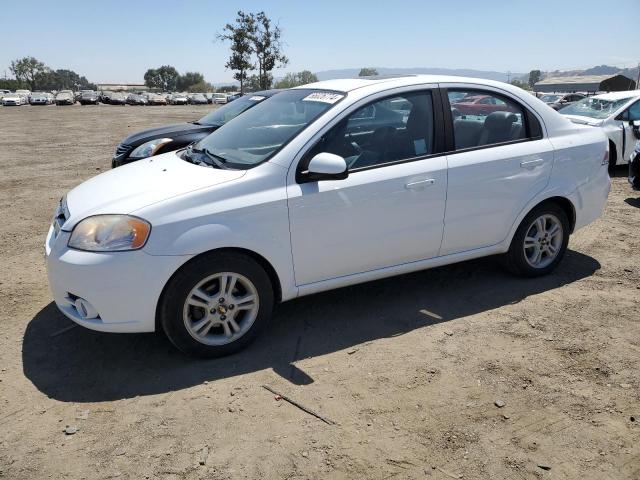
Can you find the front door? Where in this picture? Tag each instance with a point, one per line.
(389, 210)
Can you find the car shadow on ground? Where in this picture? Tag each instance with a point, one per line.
(634, 202)
(79, 365)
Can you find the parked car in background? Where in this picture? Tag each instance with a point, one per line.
(117, 98)
(560, 100)
(172, 137)
(209, 97)
(476, 104)
(179, 99)
(220, 98)
(155, 99)
(198, 99)
(65, 97)
(25, 93)
(89, 97)
(40, 98)
(137, 99)
(105, 96)
(13, 100)
(613, 112)
(293, 196)
(233, 96)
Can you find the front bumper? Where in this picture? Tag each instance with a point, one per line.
(123, 287)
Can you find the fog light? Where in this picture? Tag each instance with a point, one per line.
(85, 309)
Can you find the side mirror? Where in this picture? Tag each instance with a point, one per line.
(326, 166)
(635, 123)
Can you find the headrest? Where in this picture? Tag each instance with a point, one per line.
(500, 120)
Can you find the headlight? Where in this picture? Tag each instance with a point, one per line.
(110, 233)
(150, 148)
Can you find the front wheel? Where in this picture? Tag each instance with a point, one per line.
(540, 242)
(216, 305)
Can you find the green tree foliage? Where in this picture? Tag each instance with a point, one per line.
(521, 84)
(35, 75)
(63, 79)
(291, 80)
(186, 81)
(239, 34)
(368, 72)
(27, 70)
(534, 77)
(164, 78)
(267, 45)
(200, 87)
(12, 84)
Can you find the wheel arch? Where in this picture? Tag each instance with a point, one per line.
(259, 259)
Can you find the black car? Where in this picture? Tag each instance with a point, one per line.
(89, 98)
(172, 137)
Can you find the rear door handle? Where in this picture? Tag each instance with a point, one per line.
(420, 184)
(531, 163)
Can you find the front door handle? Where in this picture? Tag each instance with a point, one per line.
(420, 184)
(531, 163)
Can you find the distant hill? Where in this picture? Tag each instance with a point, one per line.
(462, 72)
(632, 73)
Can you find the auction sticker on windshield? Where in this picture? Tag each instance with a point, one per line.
(324, 97)
(257, 98)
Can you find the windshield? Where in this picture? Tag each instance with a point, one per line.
(259, 133)
(550, 98)
(231, 110)
(594, 107)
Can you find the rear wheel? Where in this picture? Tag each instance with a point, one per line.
(540, 241)
(216, 305)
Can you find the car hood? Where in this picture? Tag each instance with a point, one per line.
(171, 131)
(580, 120)
(132, 187)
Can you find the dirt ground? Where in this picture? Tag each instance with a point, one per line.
(410, 369)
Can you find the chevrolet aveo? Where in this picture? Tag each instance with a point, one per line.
(318, 187)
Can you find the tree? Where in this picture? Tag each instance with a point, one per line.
(164, 78)
(291, 80)
(240, 35)
(186, 81)
(12, 84)
(200, 87)
(521, 84)
(27, 70)
(534, 77)
(368, 72)
(267, 45)
(63, 79)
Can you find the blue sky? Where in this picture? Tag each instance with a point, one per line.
(117, 40)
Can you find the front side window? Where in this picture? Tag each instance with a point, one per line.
(388, 130)
(260, 132)
(633, 112)
(493, 119)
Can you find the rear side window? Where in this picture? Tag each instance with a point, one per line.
(485, 118)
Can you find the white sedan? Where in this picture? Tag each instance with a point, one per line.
(615, 113)
(318, 187)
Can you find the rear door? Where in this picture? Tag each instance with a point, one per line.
(498, 161)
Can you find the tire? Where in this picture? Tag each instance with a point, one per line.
(522, 261)
(195, 321)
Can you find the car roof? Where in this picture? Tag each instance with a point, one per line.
(618, 95)
(384, 82)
